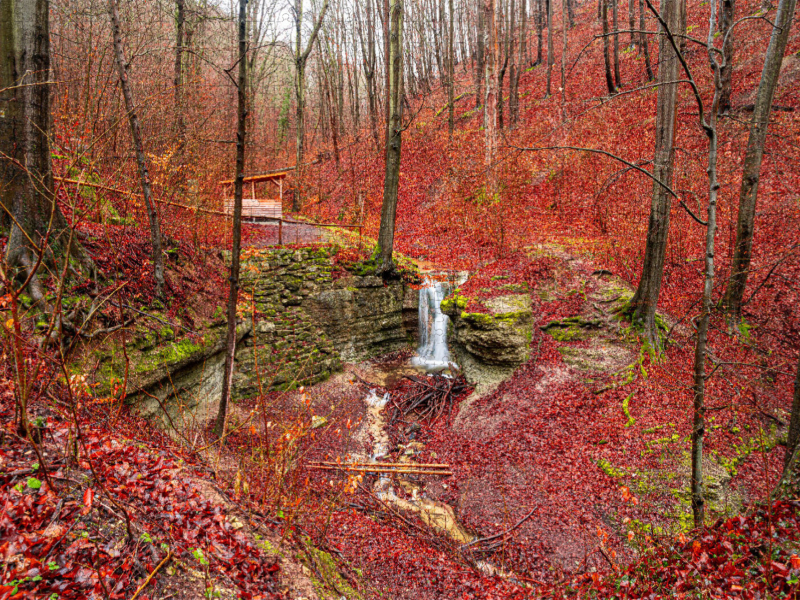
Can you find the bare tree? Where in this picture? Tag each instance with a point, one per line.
(708, 123)
(138, 144)
(550, 56)
(740, 264)
(539, 30)
(518, 68)
(645, 301)
(606, 46)
(564, 16)
(793, 439)
(450, 72)
(370, 63)
(632, 22)
(644, 43)
(180, 120)
(615, 23)
(726, 31)
(394, 129)
(300, 59)
(480, 65)
(490, 105)
(238, 188)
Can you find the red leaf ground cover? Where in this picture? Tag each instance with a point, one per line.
(72, 542)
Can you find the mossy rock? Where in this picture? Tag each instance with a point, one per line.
(571, 329)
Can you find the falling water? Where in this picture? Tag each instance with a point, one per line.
(432, 354)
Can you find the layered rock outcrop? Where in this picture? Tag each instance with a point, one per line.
(489, 346)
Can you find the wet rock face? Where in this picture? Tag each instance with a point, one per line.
(488, 346)
(361, 316)
(303, 326)
(307, 323)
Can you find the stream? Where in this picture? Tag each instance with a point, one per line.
(432, 356)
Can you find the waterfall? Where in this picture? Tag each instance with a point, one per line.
(432, 353)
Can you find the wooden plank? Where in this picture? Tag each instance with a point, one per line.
(257, 178)
(253, 207)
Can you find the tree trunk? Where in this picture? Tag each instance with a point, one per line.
(450, 72)
(387, 70)
(644, 303)
(136, 135)
(26, 175)
(793, 440)
(539, 30)
(550, 57)
(481, 62)
(632, 21)
(740, 264)
(490, 104)
(370, 62)
(300, 59)
(517, 68)
(238, 188)
(644, 42)
(726, 72)
(437, 16)
(506, 29)
(394, 130)
(615, 17)
(564, 11)
(606, 47)
(180, 121)
(698, 425)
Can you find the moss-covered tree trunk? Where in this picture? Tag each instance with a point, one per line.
(391, 182)
(644, 303)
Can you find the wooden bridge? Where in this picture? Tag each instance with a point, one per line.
(256, 209)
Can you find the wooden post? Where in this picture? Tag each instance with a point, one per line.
(253, 190)
(280, 231)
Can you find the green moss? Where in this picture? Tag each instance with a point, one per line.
(627, 411)
(571, 329)
(455, 301)
(326, 578)
(607, 468)
(511, 316)
(478, 318)
(171, 353)
(742, 451)
(570, 334)
(515, 287)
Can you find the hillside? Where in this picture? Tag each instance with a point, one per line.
(482, 416)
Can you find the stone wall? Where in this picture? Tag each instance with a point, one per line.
(288, 347)
(306, 322)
